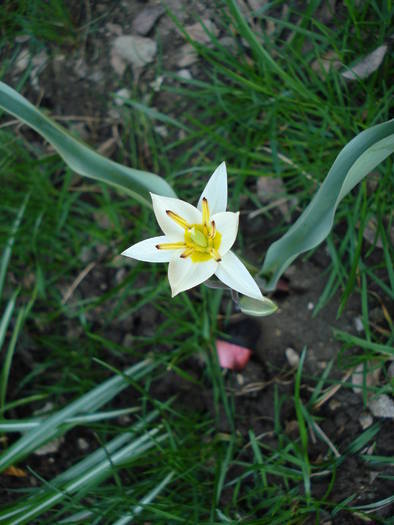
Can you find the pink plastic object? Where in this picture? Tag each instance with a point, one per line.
(232, 356)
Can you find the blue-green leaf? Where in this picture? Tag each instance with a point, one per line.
(80, 157)
(354, 162)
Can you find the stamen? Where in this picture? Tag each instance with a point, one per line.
(212, 233)
(171, 246)
(187, 252)
(215, 255)
(205, 212)
(178, 219)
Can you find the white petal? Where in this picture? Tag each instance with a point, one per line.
(233, 273)
(184, 274)
(216, 191)
(226, 224)
(147, 251)
(185, 210)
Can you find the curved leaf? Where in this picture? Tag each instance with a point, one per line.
(354, 162)
(80, 157)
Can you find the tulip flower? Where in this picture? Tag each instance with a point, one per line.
(197, 241)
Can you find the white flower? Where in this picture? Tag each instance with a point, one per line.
(197, 241)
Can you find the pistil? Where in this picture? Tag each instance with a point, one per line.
(201, 241)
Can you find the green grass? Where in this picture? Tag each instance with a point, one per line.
(156, 457)
(48, 21)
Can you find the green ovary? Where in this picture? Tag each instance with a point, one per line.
(201, 245)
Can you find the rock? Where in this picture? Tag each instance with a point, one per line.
(200, 31)
(39, 63)
(114, 29)
(272, 189)
(121, 95)
(120, 275)
(382, 406)
(370, 233)
(370, 377)
(117, 63)
(367, 65)
(80, 67)
(330, 61)
(83, 444)
(365, 420)
(162, 131)
(49, 448)
(101, 218)
(22, 61)
(187, 56)
(358, 324)
(86, 254)
(292, 357)
(135, 50)
(227, 42)
(157, 83)
(21, 39)
(185, 74)
(146, 19)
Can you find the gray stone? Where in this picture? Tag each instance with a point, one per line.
(146, 19)
(135, 50)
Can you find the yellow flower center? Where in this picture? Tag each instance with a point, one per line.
(201, 241)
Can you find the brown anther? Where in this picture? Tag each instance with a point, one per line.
(186, 253)
(212, 233)
(205, 212)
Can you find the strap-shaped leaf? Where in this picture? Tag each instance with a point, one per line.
(354, 162)
(88, 403)
(80, 157)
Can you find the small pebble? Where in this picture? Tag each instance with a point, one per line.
(49, 448)
(162, 131)
(365, 420)
(83, 444)
(121, 96)
(358, 324)
(382, 406)
(292, 357)
(184, 73)
(240, 379)
(334, 404)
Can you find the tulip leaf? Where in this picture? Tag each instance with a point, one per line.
(80, 157)
(354, 162)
